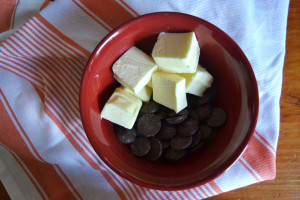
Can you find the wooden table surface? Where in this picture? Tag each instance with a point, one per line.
(287, 182)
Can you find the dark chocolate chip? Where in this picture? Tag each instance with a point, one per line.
(173, 154)
(149, 125)
(140, 146)
(207, 97)
(162, 115)
(149, 107)
(172, 114)
(193, 115)
(155, 150)
(176, 119)
(188, 128)
(166, 132)
(165, 143)
(196, 148)
(206, 131)
(183, 112)
(217, 117)
(196, 138)
(126, 136)
(180, 142)
(204, 111)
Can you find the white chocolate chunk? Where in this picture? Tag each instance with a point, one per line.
(134, 69)
(177, 52)
(149, 84)
(169, 90)
(144, 94)
(122, 108)
(196, 83)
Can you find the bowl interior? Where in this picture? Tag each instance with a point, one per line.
(236, 92)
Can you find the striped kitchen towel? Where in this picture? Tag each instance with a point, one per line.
(44, 47)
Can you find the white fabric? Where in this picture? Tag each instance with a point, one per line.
(258, 27)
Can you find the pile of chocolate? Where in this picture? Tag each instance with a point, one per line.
(160, 132)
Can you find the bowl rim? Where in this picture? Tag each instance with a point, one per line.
(229, 162)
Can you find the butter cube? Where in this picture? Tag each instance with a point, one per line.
(149, 84)
(122, 108)
(134, 69)
(169, 90)
(144, 94)
(177, 52)
(196, 83)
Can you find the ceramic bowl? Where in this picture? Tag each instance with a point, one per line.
(236, 90)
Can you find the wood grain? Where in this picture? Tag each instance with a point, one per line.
(287, 182)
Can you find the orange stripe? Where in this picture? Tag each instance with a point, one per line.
(14, 14)
(153, 196)
(50, 89)
(6, 13)
(49, 66)
(78, 148)
(63, 120)
(40, 60)
(61, 96)
(91, 162)
(113, 14)
(94, 18)
(250, 171)
(57, 106)
(171, 194)
(131, 189)
(131, 9)
(10, 59)
(23, 73)
(32, 50)
(25, 170)
(43, 172)
(45, 4)
(205, 193)
(76, 69)
(198, 193)
(75, 55)
(150, 195)
(207, 188)
(20, 75)
(261, 159)
(266, 141)
(63, 36)
(48, 47)
(186, 195)
(116, 190)
(214, 185)
(191, 193)
(121, 14)
(68, 180)
(43, 32)
(57, 65)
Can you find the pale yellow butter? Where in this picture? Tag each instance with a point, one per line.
(134, 69)
(196, 83)
(169, 90)
(176, 52)
(149, 84)
(122, 108)
(144, 94)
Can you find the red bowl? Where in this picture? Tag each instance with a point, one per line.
(235, 85)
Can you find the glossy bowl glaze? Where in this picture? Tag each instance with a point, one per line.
(236, 89)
